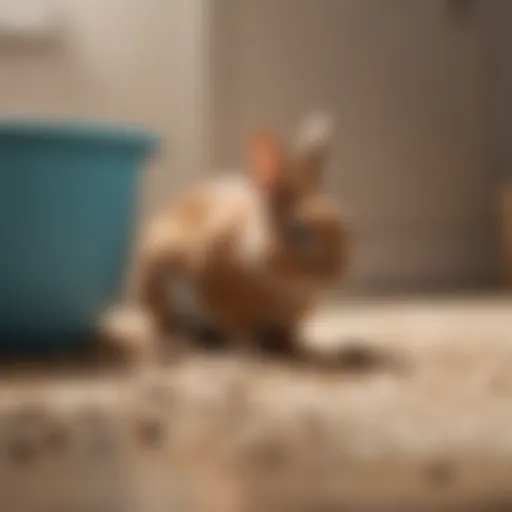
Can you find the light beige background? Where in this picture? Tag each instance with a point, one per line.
(137, 61)
(408, 81)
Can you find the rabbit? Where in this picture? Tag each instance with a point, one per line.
(243, 259)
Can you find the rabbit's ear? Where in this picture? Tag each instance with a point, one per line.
(266, 162)
(313, 145)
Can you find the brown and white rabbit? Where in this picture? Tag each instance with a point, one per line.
(245, 257)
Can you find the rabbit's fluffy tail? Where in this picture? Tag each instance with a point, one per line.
(315, 132)
(129, 331)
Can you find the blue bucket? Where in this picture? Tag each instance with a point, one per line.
(67, 206)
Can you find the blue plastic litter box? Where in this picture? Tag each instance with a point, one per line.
(67, 204)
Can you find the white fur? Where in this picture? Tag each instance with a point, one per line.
(234, 193)
(315, 133)
(131, 329)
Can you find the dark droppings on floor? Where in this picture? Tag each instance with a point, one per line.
(21, 450)
(358, 355)
(440, 473)
(150, 430)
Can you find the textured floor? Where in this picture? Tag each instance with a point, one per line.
(426, 424)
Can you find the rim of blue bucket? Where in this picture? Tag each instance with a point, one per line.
(81, 131)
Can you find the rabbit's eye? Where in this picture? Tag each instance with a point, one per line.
(303, 238)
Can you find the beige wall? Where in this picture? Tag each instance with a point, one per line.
(406, 81)
(124, 60)
(500, 91)
(500, 118)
